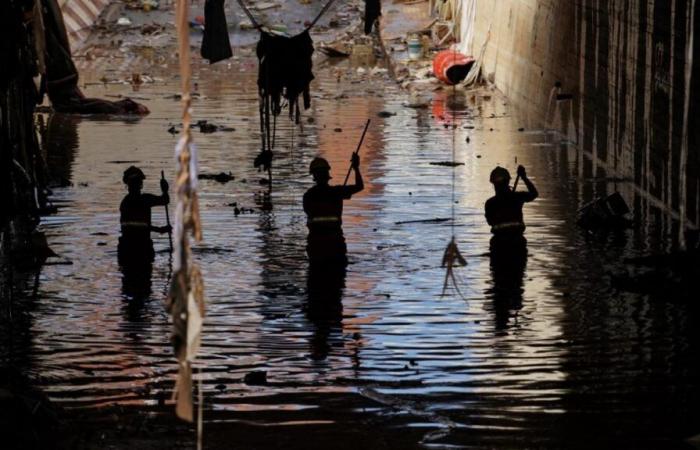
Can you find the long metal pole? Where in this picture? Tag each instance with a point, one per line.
(357, 150)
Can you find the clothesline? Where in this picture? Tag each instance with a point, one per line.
(258, 26)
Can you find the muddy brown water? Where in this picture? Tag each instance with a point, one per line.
(553, 358)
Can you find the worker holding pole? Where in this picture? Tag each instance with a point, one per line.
(323, 205)
(135, 245)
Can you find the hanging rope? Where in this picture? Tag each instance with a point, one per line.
(320, 14)
(452, 257)
(185, 301)
(247, 12)
(258, 26)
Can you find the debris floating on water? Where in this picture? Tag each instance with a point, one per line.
(446, 163)
(435, 220)
(256, 378)
(221, 177)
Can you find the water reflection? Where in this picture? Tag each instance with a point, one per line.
(324, 308)
(564, 347)
(508, 258)
(136, 284)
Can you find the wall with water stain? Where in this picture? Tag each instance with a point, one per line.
(629, 87)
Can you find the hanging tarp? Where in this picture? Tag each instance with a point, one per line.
(79, 16)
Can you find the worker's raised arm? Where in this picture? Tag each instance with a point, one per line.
(531, 193)
(359, 183)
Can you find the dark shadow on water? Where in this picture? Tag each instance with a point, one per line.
(324, 309)
(136, 265)
(508, 262)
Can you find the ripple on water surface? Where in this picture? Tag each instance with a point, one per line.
(511, 357)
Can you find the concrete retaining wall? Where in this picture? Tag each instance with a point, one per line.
(629, 67)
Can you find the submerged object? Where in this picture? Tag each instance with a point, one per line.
(452, 67)
(605, 212)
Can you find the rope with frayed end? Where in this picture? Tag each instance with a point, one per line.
(185, 301)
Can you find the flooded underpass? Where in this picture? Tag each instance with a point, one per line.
(548, 356)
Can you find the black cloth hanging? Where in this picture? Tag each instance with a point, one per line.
(285, 70)
(215, 44)
(373, 9)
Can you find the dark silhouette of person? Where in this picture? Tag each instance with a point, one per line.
(504, 211)
(323, 205)
(135, 244)
(325, 285)
(508, 246)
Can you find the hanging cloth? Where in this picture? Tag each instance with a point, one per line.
(285, 70)
(373, 9)
(215, 43)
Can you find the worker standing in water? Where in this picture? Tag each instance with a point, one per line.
(135, 245)
(323, 205)
(504, 211)
(508, 246)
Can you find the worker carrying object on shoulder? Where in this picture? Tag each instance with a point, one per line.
(135, 241)
(323, 205)
(504, 211)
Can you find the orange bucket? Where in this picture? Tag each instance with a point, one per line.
(451, 67)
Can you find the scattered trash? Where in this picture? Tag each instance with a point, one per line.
(221, 177)
(205, 127)
(415, 48)
(436, 220)
(124, 21)
(197, 23)
(452, 67)
(378, 71)
(446, 163)
(149, 5)
(173, 130)
(256, 378)
(151, 28)
(605, 212)
(385, 114)
(265, 5)
(246, 25)
(416, 101)
(332, 52)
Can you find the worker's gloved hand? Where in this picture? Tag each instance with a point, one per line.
(355, 161)
(165, 229)
(521, 172)
(164, 185)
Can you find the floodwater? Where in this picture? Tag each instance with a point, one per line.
(547, 356)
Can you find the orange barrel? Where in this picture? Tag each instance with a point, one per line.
(451, 67)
